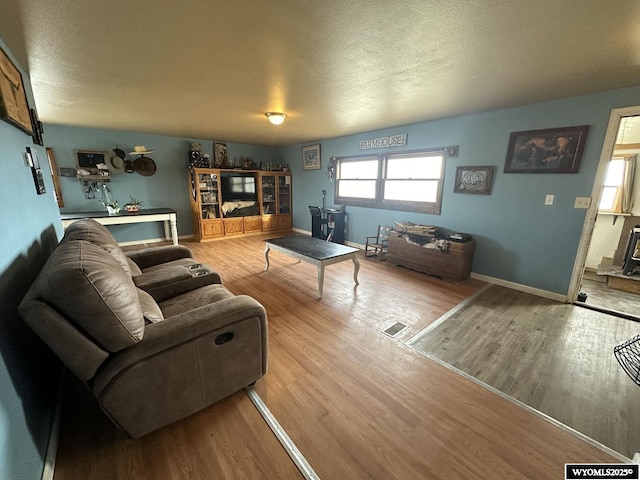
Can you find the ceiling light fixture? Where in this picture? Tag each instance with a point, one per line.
(276, 118)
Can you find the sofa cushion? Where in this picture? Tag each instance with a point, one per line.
(193, 299)
(91, 231)
(88, 285)
(150, 309)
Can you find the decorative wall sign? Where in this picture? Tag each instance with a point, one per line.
(13, 99)
(473, 180)
(384, 142)
(554, 150)
(311, 157)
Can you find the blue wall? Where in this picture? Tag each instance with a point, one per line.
(519, 239)
(168, 187)
(29, 374)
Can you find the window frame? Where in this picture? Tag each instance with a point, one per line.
(617, 188)
(432, 208)
(356, 201)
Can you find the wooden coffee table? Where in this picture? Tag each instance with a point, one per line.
(315, 251)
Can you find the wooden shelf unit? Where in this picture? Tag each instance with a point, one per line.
(274, 197)
(275, 200)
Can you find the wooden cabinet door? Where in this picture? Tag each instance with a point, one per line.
(269, 222)
(211, 229)
(233, 225)
(252, 224)
(284, 222)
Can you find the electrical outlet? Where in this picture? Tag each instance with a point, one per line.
(582, 202)
(548, 200)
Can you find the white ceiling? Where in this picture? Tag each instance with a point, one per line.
(210, 69)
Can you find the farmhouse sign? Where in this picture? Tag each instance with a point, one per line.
(384, 142)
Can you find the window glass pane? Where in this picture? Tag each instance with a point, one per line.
(414, 167)
(615, 173)
(607, 198)
(359, 169)
(411, 190)
(357, 188)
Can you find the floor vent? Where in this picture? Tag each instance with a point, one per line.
(394, 329)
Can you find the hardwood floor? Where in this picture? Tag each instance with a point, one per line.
(602, 296)
(357, 403)
(565, 364)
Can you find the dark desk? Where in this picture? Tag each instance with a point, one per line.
(315, 251)
(329, 225)
(166, 215)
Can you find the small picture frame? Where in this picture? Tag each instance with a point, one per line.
(311, 157)
(553, 150)
(473, 180)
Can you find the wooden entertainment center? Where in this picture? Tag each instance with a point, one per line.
(228, 202)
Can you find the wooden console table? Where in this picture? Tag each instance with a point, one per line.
(166, 215)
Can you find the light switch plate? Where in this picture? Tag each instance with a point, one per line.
(582, 202)
(548, 200)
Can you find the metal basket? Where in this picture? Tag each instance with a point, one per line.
(628, 356)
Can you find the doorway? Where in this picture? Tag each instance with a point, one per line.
(600, 280)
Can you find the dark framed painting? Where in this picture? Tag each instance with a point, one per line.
(553, 150)
(473, 180)
(13, 99)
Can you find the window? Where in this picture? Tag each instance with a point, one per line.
(409, 181)
(413, 180)
(618, 185)
(357, 180)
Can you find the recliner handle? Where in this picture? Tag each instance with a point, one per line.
(224, 338)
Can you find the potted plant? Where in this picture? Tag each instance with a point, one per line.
(134, 205)
(113, 207)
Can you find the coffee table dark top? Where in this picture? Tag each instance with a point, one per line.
(311, 247)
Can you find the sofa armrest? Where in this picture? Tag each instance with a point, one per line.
(180, 329)
(149, 257)
(184, 364)
(175, 280)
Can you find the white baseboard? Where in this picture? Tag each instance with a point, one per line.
(521, 288)
(52, 445)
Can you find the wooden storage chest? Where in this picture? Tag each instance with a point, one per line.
(453, 265)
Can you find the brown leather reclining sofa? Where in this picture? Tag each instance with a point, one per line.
(153, 333)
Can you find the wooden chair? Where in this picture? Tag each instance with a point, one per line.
(377, 245)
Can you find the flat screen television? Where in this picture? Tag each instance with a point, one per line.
(236, 188)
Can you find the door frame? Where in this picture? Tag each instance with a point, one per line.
(590, 219)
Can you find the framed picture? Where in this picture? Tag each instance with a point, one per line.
(13, 99)
(311, 157)
(220, 155)
(90, 159)
(473, 180)
(554, 150)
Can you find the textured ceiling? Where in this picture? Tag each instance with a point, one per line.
(210, 69)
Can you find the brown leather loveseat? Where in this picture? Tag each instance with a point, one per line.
(153, 333)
